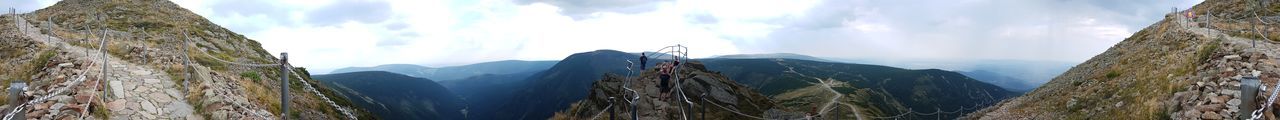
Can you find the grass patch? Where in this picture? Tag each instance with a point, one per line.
(101, 112)
(1113, 74)
(262, 95)
(1206, 52)
(208, 62)
(118, 50)
(251, 75)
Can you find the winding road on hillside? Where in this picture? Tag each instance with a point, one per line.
(834, 99)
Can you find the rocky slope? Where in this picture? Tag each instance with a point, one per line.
(145, 76)
(1178, 68)
(724, 100)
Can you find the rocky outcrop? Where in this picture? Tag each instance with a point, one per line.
(724, 99)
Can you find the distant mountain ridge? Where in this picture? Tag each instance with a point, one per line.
(772, 55)
(982, 71)
(562, 84)
(1032, 73)
(879, 90)
(1010, 83)
(395, 96)
(456, 72)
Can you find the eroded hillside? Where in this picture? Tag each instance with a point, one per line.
(1179, 68)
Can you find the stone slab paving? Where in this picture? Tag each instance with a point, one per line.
(136, 92)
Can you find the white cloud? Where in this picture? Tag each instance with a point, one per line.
(23, 6)
(321, 35)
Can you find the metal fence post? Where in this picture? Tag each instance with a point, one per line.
(49, 26)
(284, 86)
(612, 116)
(704, 105)
(1248, 92)
(634, 115)
(15, 94)
(103, 48)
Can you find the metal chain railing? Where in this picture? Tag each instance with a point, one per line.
(322, 96)
(80, 79)
(734, 111)
(626, 84)
(606, 109)
(59, 91)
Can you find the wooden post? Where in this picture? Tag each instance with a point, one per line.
(284, 86)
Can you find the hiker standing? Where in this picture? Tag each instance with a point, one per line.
(643, 59)
(665, 75)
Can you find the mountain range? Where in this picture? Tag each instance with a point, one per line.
(456, 72)
(879, 90)
(395, 96)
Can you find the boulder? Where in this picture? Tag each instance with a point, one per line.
(1210, 115)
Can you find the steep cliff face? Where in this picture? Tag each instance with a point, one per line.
(136, 55)
(1179, 68)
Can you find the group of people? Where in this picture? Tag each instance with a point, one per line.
(665, 71)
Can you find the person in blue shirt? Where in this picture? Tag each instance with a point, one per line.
(643, 59)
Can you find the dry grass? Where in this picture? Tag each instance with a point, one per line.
(261, 94)
(1131, 80)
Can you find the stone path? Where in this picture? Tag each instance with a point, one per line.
(136, 92)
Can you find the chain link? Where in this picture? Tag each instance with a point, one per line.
(322, 96)
(606, 109)
(47, 97)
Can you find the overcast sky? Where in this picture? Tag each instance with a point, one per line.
(328, 34)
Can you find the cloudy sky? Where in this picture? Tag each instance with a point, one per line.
(328, 34)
